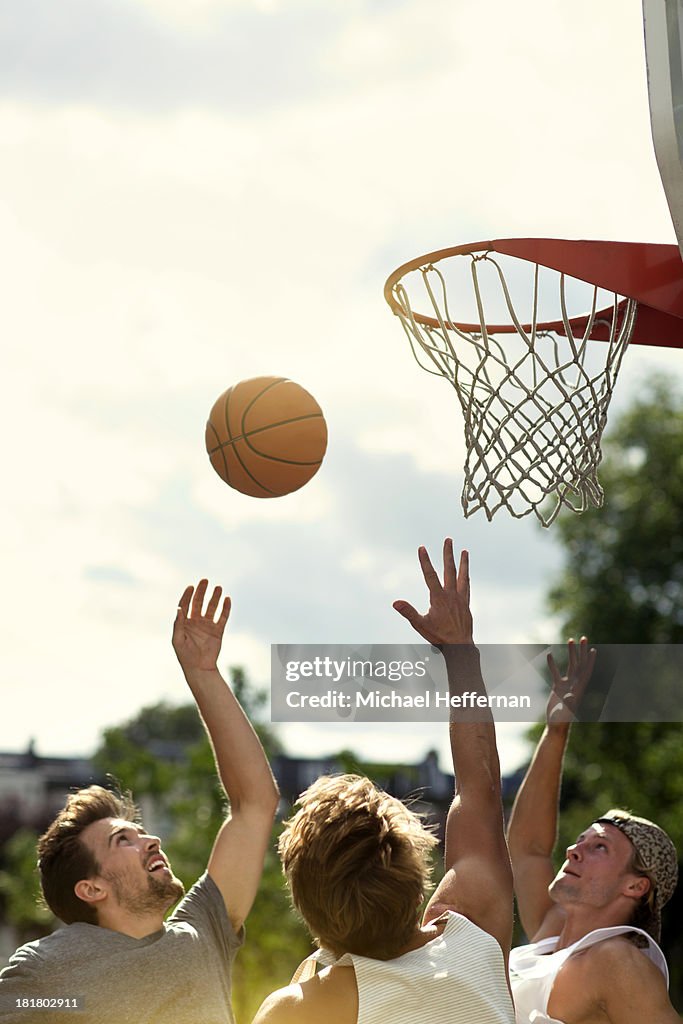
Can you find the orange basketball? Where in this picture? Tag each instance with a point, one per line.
(266, 436)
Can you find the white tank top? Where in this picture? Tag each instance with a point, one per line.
(458, 977)
(533, 970)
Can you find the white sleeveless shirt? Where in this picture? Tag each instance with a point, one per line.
(533, 970)
(456, 978)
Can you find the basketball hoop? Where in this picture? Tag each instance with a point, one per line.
(535, 406)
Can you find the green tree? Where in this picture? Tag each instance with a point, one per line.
(623, 577)
(20, 888)
(622, 583)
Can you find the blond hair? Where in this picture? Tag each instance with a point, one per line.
(357, 864)
(645, 907)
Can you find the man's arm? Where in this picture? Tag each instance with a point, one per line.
(331, 996)
(21, 979)
(615, 982)
(478, 878)
(285, 1006)
(532, 830)
(236, 861)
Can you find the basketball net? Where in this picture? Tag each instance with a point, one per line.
(534, 410)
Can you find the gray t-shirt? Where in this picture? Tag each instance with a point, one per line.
(178, 975)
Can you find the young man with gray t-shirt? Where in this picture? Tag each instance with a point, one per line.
(112, 885)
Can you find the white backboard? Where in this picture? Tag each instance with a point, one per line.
(663, 20)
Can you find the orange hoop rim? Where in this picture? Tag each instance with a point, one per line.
(650, 274)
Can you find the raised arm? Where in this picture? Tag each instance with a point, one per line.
(236, 861)
(478, 879)
(532, 830)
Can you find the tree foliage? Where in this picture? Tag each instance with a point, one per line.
(622, 583)
(20, 887)
(623, 575)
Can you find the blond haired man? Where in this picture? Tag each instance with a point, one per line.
(356, 861)
(109, 881)
(593, 957)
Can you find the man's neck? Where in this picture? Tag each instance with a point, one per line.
(579, 921)
(134, 925)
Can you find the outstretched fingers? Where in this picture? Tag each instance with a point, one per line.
(464, 576)
(571, 656)
(580, 662)
(555, 674)
(431, 576)
(450, 576)
(198, 599)
(184, 602)
(191, 604)
(211, 607)
(570, 688)
(406, 609)
(584, 667)
(586, 654)
(225, 612)
(456, 580)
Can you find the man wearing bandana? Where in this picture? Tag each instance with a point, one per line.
(594, 926)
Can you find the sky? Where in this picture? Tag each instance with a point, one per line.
(194, 192)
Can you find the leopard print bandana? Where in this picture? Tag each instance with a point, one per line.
(657, 852)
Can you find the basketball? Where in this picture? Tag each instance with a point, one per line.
(266, 436)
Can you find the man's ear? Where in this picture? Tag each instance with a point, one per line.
(638, 887)
(90, 890)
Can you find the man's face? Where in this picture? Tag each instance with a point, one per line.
(596, 869)
(133, 866)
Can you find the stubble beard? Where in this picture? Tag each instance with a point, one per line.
(566, 891)
(159, 895)
(562, 890)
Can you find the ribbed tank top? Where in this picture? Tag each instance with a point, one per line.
(533, 970)
(456, 978)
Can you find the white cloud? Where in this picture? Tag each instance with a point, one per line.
(201, 15)
(151, 260)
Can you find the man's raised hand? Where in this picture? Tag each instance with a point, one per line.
(448, 620)
(568, 690)
(197, 635)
